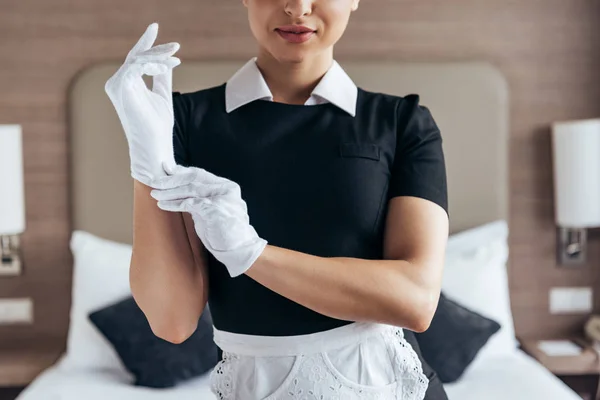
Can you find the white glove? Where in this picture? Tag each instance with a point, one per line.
(220, 214)
(146, 115)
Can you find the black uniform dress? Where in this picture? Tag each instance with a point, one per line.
(315, 180)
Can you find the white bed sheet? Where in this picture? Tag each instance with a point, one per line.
(514, 376)
(57, 383)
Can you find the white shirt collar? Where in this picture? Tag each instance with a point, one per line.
(248, 85)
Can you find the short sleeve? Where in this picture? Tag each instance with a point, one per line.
(181, 113)
(419, 167)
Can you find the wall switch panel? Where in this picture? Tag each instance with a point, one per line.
(571, 300)
(16, 311)
(10, 266)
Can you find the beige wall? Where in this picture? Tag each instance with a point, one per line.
(548, 49)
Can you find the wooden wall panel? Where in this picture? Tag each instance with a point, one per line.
(549, 51)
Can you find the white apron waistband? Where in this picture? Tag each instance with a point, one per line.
(251, 345)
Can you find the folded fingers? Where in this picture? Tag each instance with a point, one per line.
(183, 176)
(159, 52)
(175, 205)
(153, 67)
(191, 190)
(178, 175)
(184, 205)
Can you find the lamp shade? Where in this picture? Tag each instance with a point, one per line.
(12, 195)
(576, 157)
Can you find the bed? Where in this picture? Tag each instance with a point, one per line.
(469, 101)
(499, 379)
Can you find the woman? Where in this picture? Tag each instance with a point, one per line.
(322, 208)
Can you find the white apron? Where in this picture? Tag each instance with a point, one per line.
(359, 361)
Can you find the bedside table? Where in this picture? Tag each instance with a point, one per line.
(581, 372)
(19, 366)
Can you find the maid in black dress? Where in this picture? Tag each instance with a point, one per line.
(322, 210)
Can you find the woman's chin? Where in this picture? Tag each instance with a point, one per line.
(291, 55)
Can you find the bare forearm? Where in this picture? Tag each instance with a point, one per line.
(387, 291)
(167, 275)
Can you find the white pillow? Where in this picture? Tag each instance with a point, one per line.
(100, 278)
(475, 276)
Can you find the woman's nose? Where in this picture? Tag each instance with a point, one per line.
(298, 8)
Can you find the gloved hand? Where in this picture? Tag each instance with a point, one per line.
(219, 213)
(146, 115)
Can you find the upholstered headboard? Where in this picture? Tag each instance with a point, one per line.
(469, 101)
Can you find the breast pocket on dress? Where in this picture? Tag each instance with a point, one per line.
(358, 178)
(360, 150)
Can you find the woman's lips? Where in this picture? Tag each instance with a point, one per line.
(293, 37)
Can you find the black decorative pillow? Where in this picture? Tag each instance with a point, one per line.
(453, 339)
(155, 362)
